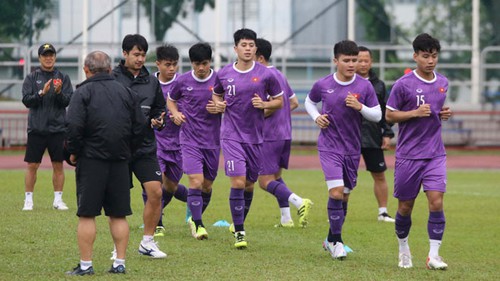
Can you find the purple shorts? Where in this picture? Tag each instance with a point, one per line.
(277, 154)
(200, 161)
(410, 174)
(340, 167)
(170, 164)
(241, 159)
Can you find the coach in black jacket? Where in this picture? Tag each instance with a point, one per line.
(132, 73)
(104, 125)
(375, 137)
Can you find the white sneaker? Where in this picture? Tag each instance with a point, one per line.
(60, 205)
(385, 218)
(436, 263)
(151, 249)
(28, 205)
(336, 250)
(113, 255)
(405, 260)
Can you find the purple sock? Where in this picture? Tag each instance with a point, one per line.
(181, 193)
(335, 215)
(280, 191)
(195, 203)
(206, 200)
(248, 202)
(435, 225)
(166, 197)
(402, 225)
(237, 205)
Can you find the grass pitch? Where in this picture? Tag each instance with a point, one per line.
(41, 245)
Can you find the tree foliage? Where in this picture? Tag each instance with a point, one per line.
(167, 11)
(15, 20)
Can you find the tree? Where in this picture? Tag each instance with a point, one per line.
(167, 11)
(23, 19)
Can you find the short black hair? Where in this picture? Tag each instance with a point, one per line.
(365, 49)
(426, 43)
(131, 40)
(264, 48)
(345, 47)
(167, 52)
(200, 52)
(244, 33)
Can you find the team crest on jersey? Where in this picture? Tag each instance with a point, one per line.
(211, 88)
(230, 80)
(419, 90)
(255, 79)
(355, 95)
(442, 90)
(330, 91)
(189, 88)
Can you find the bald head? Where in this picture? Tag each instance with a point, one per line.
(97, 62)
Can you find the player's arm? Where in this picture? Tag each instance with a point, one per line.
(395, 116)
(294, 102)
(320, 119)
(177, 116)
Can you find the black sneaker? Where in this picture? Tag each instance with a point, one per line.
(385, 218)
(78, 271)
(118, 269)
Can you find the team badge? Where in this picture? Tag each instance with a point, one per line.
(419, 90)
(442, 90)
(330, 91)
(230, 80)
(255, 79)
(189, 88)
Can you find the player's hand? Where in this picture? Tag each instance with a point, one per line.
(57, 85)
(178, 118)
(220, 106)
(211, 107)
(386, 143)
(322, 121)
(445, 113)
(46, 88)
(423, 110)
(352, 102)
(257, 102)
(158, 122)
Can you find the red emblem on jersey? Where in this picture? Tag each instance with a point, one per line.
(442, 90)
(255, 79)
(211, 88)
(356, 96)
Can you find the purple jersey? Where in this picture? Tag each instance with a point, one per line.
(343, 135)
(278, 126)
(242, 122)
(168, 137)
(201, 128)
(419, 138)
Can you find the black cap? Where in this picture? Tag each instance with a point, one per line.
(46, 48)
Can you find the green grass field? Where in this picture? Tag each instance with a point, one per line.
(41, 245)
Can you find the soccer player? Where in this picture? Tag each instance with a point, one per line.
(46, 93)
(104, 125)
(200, 132)
(417, 102)
(241, 91)
(346, 98)
(167, 140)
(375, 137)
(277, 133)
(144, 164)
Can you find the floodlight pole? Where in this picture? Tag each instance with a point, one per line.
(351, 20)
(85, 37)
(475, 67)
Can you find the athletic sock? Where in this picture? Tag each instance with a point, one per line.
(336, 218)
(382, 210)
(248, 196)
(84, 265)
(237, 205)
(28, 196)
(285, 214)
(181, 193)
(195, 203)
(118, 262)
(57, 196)
(206, 199)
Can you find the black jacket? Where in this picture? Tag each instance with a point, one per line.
(372, 132)
(47, 114)
(104, 120)
(151, 99)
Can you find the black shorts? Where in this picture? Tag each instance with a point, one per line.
(37, 144)
(374, 159)
(102, 184)
(145, 168)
